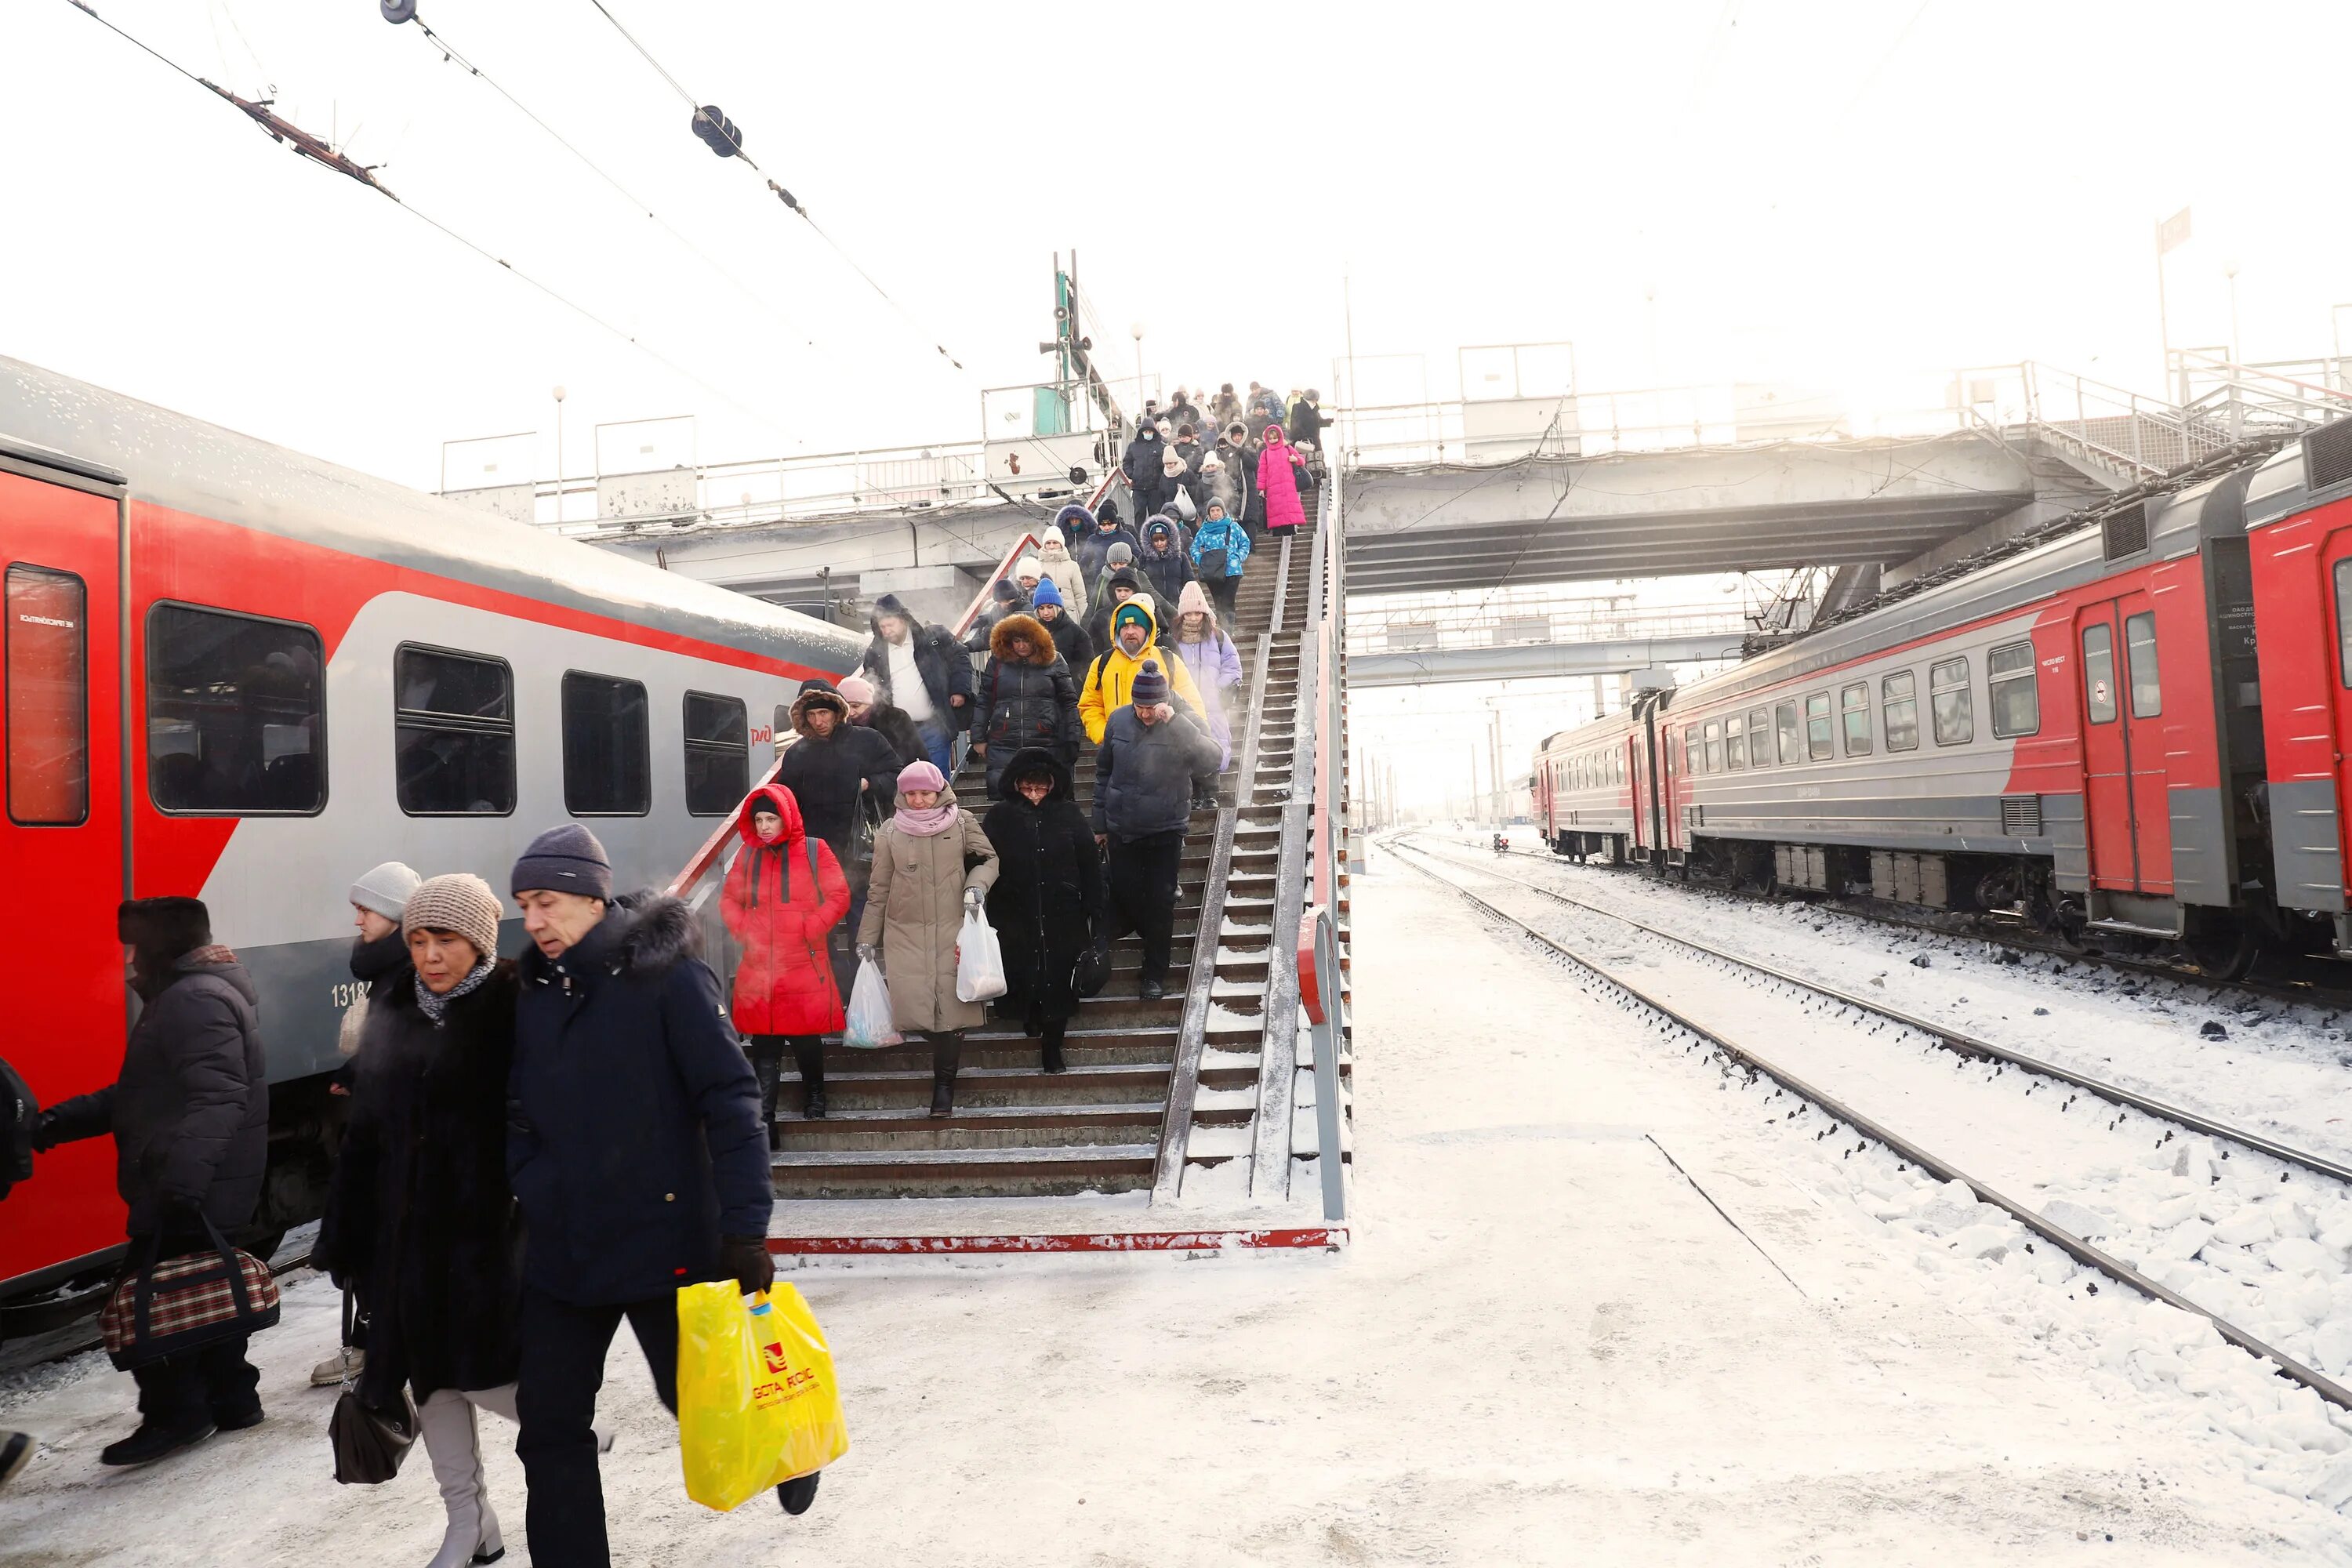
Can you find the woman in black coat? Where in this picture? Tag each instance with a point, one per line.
(420, 1219)
(1047, 900)
(1027, 698)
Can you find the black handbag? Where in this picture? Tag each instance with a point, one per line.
(1212, 566)
(1092, 971)
(369, 1443)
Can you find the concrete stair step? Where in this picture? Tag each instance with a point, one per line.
(964, 1172)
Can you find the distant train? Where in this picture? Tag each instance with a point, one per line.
(2136, 729)
(240, 673)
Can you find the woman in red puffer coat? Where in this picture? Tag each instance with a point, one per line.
(784, 893)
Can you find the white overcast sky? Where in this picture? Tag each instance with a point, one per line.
(1818, 190)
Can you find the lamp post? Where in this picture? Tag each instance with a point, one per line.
(559, 455)
(1136, 332)
(2229, 271)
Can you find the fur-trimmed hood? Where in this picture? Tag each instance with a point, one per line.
(814, 696)
(643, 934)
(1042, 651)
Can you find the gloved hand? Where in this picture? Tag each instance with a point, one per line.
(972, 900)
(45, 1131)
(871, 954)
(748, 1259)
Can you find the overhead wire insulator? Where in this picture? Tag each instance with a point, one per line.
(717, 133)
(785, 196)
(397, 11)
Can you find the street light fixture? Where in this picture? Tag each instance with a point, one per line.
(559, 454)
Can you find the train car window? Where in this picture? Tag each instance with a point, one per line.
(1952, 703)
(2009, 681)
(1735, 742)
(47, 649)
(2099, 672)
(1854, 712)
(453, 742)
(1899, 696)
(606, 770)
(237, 714)
(718, 753)
(1817, 727)
(1760, 738)
(1694, 749)
(2140, 658)
(2344, 620)
(1791, 737)
(1715, 745)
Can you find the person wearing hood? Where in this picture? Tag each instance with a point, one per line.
(1117, 588)
(840, 774)
(1048, 901)
(1110, 680)
(782, 896)
(1139, 464)
(933, 864)
(1166, 567)
(1059, 567)
(1028, 698)
(1220, 550)
(1093, 550)
(1070, 639)
(1224, 407)
(1216, 668)
(190, 1115)
(868, 711)
(922, 670)
(1278, 476)
(1147, 764)
(379, 963)
(634, 1153)
(420, 1219)
(1006, 598)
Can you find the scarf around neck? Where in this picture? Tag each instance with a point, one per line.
(927, 824)
(436, 1007)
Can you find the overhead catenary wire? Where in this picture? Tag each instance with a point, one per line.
(451, 53)
(310, 147)
(734, 141)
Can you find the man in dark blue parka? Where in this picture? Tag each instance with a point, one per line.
(634, 1146)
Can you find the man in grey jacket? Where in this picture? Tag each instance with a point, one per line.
(1143, 805)
(190, 1116)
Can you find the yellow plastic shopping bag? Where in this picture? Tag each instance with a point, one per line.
(757, 1403)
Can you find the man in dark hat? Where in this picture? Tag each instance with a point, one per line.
(1144, 771)
(190, 1115)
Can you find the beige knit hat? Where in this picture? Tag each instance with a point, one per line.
(459, 901)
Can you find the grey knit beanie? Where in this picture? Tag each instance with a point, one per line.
(565, 859)
(385, 889)
(460, 902)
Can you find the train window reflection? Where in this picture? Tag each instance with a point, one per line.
(1735, 742)
(2140, 658)
(1791, 739)
(1954, 706)
(1760, 738)
(607, 772)
(718, 753)
(47, 658)
(1853, 710)
(453, 734)
(236, 713)
(1817, 726)
(2009, 681)
(1899, 696)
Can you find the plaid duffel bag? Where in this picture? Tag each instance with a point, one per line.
(183, 1304)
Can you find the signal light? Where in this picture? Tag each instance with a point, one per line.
(717, 133)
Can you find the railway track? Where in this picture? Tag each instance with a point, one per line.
(1903, 1147)
(2308, 982)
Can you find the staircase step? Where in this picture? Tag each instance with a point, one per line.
(964, 1172)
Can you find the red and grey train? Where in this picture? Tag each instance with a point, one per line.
(2136, 729)
(240, 673)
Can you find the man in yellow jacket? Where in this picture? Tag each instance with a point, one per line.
(1110, 680)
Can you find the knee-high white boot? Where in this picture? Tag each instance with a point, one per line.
(445, 1421)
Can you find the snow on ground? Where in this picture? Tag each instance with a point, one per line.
(1548, 1344)
(2279, 1070)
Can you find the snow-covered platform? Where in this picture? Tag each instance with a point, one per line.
(1593, 1310)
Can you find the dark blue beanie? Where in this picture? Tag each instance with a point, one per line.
(565, 859)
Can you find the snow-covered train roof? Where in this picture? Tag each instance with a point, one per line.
(190, 465)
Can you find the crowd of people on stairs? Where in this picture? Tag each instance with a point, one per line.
(531, 1151)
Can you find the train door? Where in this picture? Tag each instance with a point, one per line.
(62, 834)
(1639, 784)
(2127, 805)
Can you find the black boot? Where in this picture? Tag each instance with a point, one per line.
(798, 1493)
(809, 1056)
(151, 1443)
(947, 1055)
(1051, 1057)
(768, 1068)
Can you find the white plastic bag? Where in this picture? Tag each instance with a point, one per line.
(869, 1028)
(980, 962)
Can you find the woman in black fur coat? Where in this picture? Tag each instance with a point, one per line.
(1048, 901)
(420, 1219)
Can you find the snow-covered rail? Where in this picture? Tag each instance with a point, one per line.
(1956, 1040)
(1844, 1114)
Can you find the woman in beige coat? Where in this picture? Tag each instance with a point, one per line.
(931, 863)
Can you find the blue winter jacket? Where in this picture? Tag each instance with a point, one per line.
(633, 1118)
(1223, 534)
